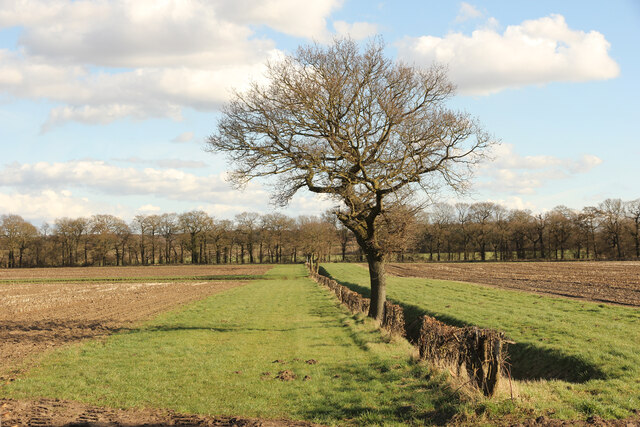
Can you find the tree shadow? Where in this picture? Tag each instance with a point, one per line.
(527, 361)
(399, 407)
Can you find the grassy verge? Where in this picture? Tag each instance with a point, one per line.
(572, 359)
(216, 356)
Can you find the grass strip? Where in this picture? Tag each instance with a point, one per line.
(221, 356)
(573, 359)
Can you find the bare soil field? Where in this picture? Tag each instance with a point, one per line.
(133, 271)
(50, 412)
(38, 317)
(610, 281)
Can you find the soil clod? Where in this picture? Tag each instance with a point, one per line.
(286, 375)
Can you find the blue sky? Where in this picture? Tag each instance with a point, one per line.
(105, 105)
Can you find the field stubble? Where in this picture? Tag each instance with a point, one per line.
(38, 317)
(166, 271)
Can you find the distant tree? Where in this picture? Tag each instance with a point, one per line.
(481, 216)
(315, 237)
(560, 229)
(168, 227)
(612, 212)
(17, 234)
(140, 225)
(591, 217)
(104, 228)
(521, 227)
(632, 209)
(194, 223)
(248, 223)
(499, 232)
(154, 225)
(442, 216)
(463, 218)
(355, 126)
(63, 230)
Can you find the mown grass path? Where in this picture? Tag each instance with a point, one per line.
(216, 356)
(572, 358)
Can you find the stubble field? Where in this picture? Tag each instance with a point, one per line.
(611, 282)
(34, 318)
(164, 271)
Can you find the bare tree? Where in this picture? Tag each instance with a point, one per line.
(194, 223)
(612, 213)
(463, 217)
(248, 225)
(168, 227)
(632, 209)
(18, 234)
(481, 215)
(140, 224)
(353, 125)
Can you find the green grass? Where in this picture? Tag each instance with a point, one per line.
(572, 359)
(209, 358)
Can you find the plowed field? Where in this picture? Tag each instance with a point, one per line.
(137, 271)
(37, 317)
(612, 282)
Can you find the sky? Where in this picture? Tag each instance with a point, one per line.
(105, 106)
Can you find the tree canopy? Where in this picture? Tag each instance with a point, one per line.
(350, 123)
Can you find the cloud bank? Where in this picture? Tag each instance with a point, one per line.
(535, 52)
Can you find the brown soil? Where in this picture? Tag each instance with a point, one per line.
(591, 421)
(38, 317)
(134, 271)
(611, 282)
(286, 375)
(50, 412)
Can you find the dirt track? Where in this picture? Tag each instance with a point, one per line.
(50, 412)
(37, 317)
(612, 282)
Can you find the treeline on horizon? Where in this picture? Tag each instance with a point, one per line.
(444, 232)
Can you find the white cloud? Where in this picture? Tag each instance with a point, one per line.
(99, 98)
(293, 17)
(103, 178)
(148, 208)
(357, 30)
(106, 60)
(46, 205)
(467, 12)
(137, 33)
(512, 173)
(165, 163)
(183, 137)
(535, 52)
(515, 202)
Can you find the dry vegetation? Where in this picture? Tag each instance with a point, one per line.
(613, 282)
(37, 317)
(137, 271)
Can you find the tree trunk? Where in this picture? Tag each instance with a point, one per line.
(378, 285)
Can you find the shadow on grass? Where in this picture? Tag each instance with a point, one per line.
(421, 399)
(527, 360)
